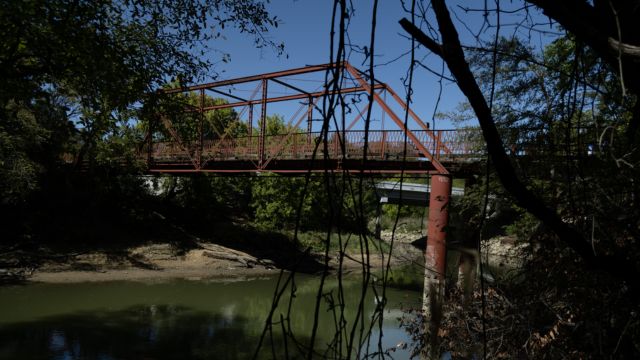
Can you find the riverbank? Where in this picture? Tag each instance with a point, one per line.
(151, 262)
(158, 261)
(194, 258)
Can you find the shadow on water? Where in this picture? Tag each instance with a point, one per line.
(139, 332)
(176, 319)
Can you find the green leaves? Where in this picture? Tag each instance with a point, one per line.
(275, 200)
(73, 76)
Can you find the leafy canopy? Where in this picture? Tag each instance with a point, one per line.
(73, 72)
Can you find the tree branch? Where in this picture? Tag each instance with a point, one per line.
(421, 37)
(599, 27)
(453, 55)
(626, 49)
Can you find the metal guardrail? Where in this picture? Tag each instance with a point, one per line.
(381, 145)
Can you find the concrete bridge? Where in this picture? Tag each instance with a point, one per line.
(394, 192)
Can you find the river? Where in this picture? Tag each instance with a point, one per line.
(176, 319)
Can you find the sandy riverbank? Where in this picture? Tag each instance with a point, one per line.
(153, 261)
(160, 261)
(150, 263)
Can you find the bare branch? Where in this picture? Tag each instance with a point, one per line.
(451, 51)
(421, 37)
(623, 48)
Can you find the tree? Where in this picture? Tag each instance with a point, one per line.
(566, 95)
(87, 64)
(609, 29)
(451, 52)
(182, 111)
(72, 76)
(276, 199)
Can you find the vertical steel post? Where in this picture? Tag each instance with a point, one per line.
(438, 144)
(263, 123)
(294, 139)
(250, 138)
(309, 120)
(200, 132)
(436, 254)
(383, 146)
(250, 120)
(384, 98)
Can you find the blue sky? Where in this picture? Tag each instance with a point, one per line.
(304, 29)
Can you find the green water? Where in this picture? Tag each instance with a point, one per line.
(177, 319)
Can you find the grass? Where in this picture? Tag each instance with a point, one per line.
(350, 242)
(406, 224)
(459, 183)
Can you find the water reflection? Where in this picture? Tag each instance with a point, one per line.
(171, 320)
(141, 332)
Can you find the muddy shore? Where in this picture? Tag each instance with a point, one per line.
(161, 261)
(207, 260)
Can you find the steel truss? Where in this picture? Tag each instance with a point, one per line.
(298, 151)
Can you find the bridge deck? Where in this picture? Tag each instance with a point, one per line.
(298, 152)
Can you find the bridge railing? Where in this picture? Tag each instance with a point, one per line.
(461, 143)
(382, 145)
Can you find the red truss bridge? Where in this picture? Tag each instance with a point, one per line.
(333, 101)
(185, 141)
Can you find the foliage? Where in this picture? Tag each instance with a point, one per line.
(556, 130)
(321, 201)
(566, 128)
(188, 124)
(347, 243)
(523, 227)
(21, 139)
(412, 218)
(550, 314)
(72, 76)
(275, 200)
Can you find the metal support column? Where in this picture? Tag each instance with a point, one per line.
(309, 120)
(200, 132)
(436, 254)
(250, 131)
(384, 98)
(263, 123)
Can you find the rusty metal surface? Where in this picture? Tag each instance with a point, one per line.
(382, 145)
(267, 76)
(436, 252)
(388, 151)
